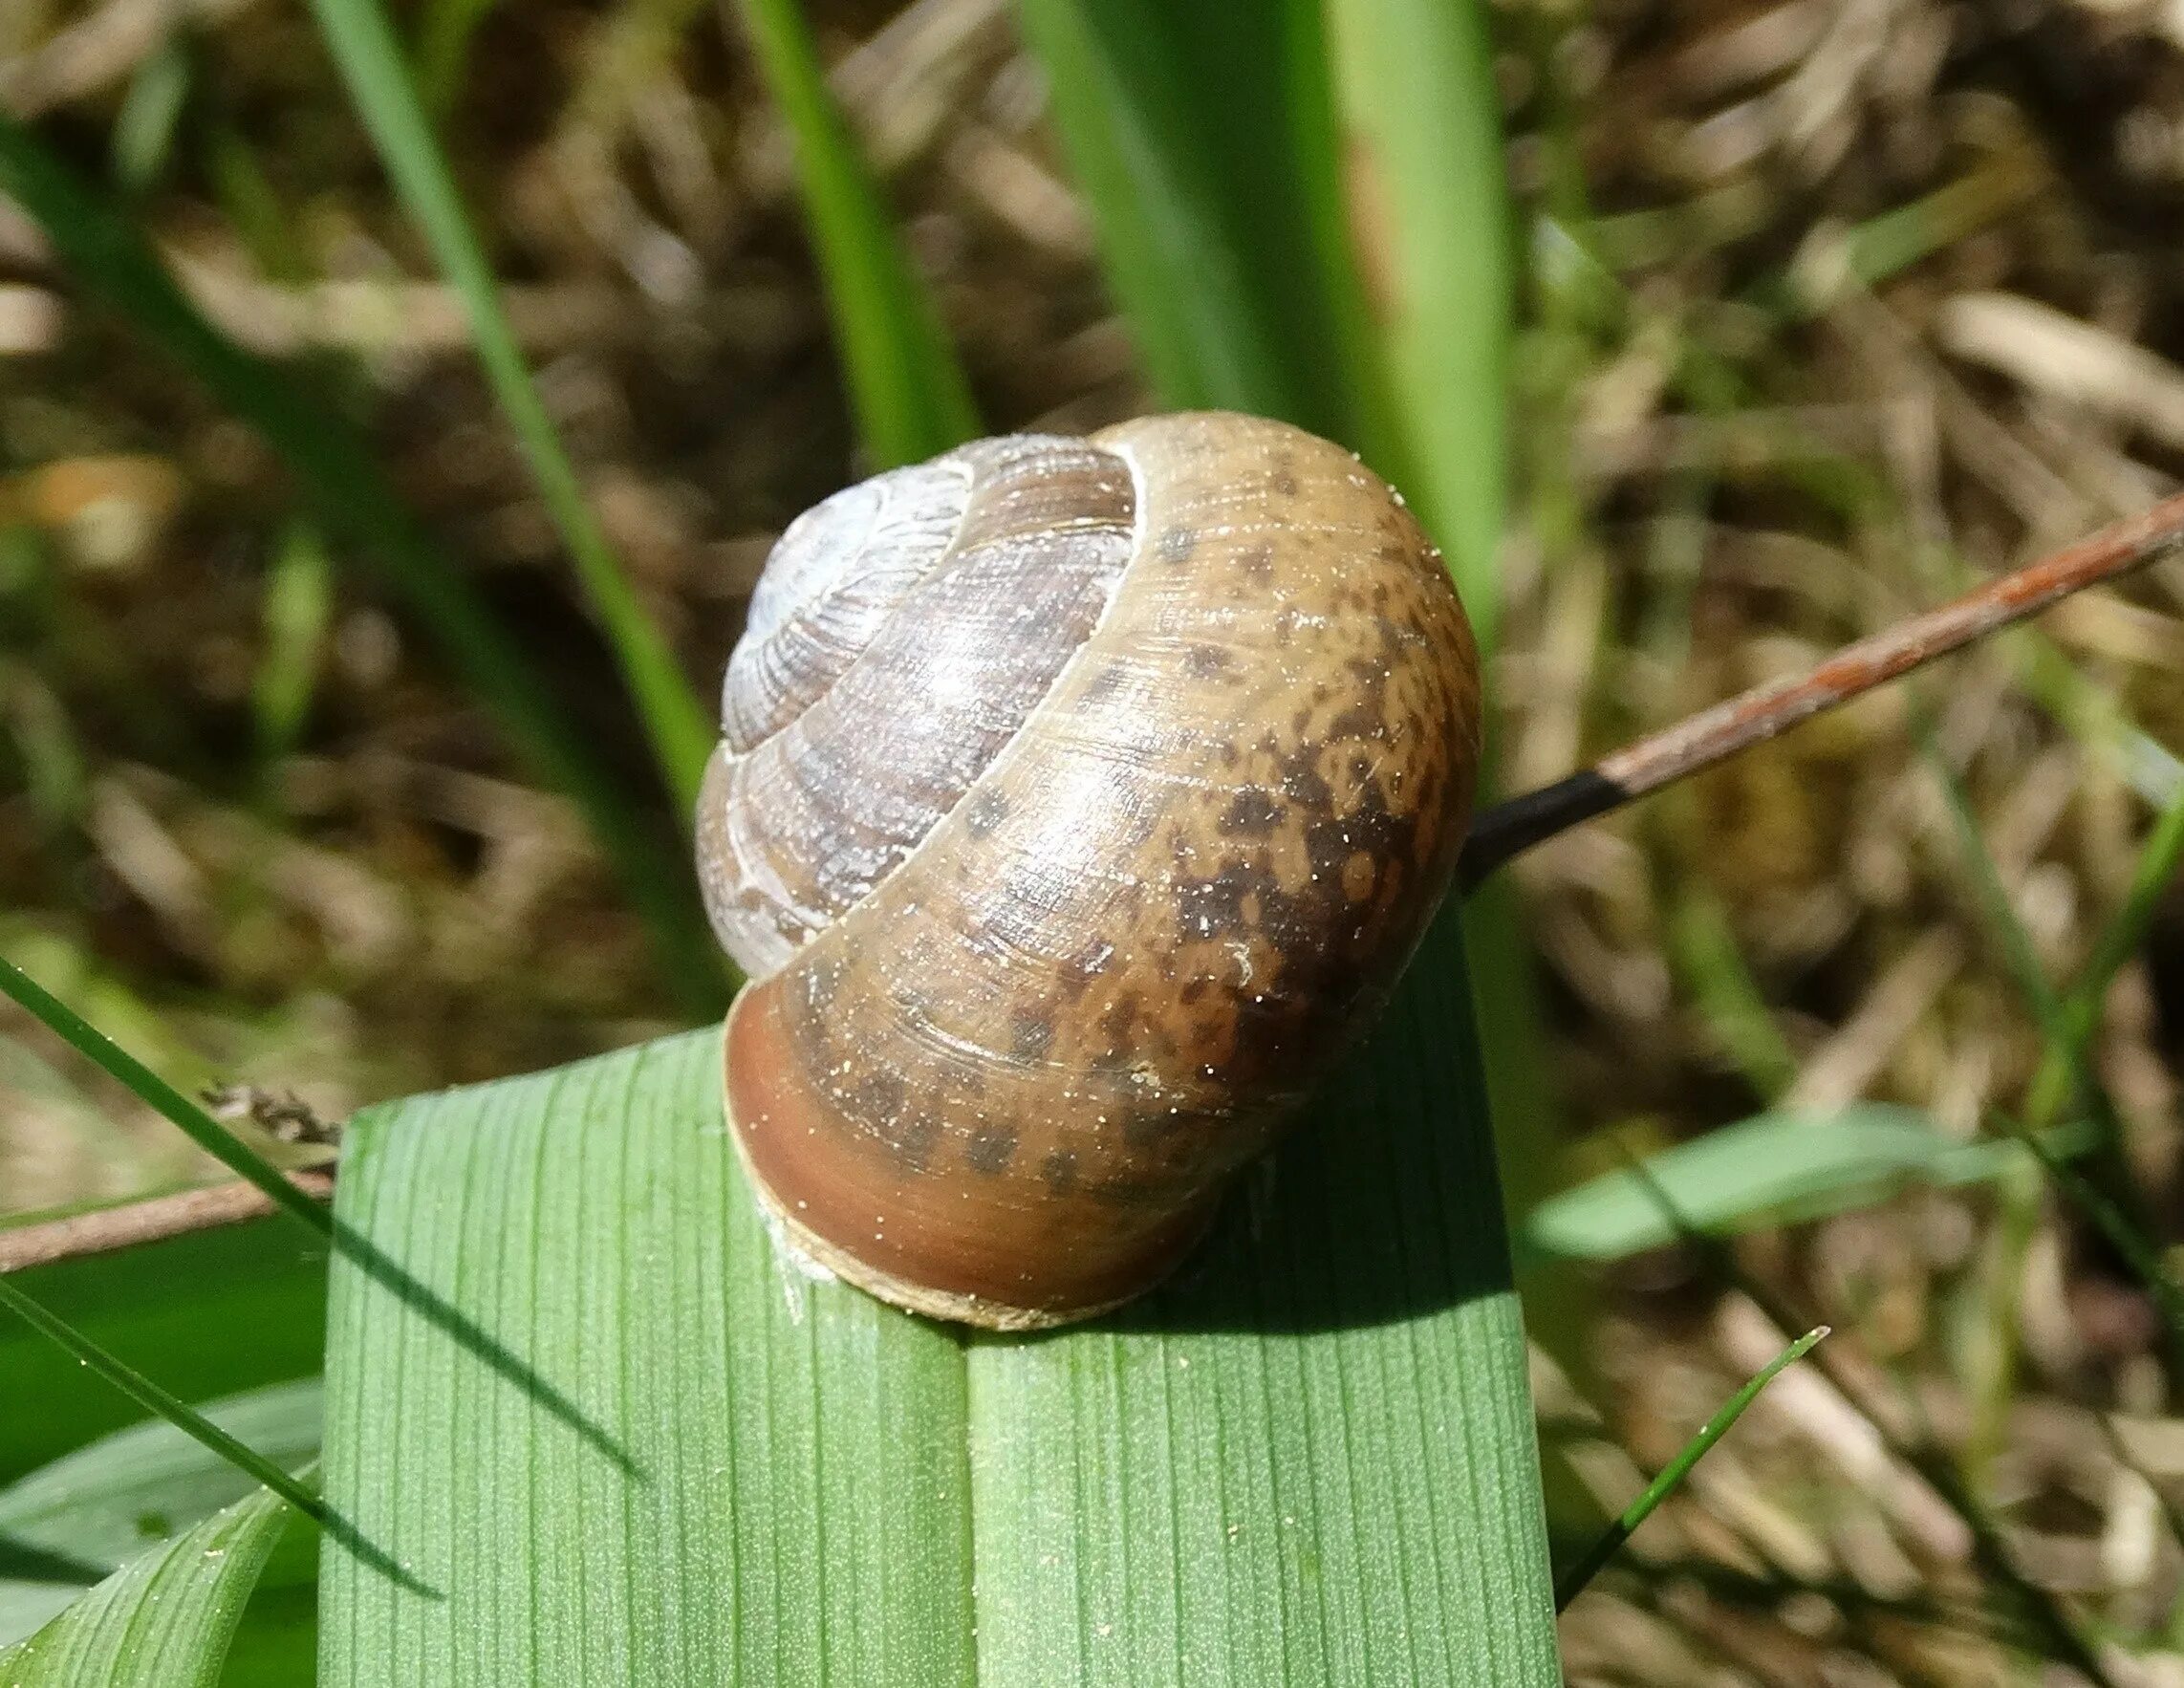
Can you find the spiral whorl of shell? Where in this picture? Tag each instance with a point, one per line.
(1077, 803)
(900, 633)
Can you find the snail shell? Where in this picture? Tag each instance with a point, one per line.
(1076, 802)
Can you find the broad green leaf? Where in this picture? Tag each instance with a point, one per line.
(1419, 180)
(208, 1315)
(369, 60)
(909, 392)
(1206, 140)
(1310, 1460)
(1421, 154)
(1767, 1169)
(165, 1619)
(126, 1493)
(774, 1490)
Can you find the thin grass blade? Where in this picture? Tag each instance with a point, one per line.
(165, 1620)
(193, 1121)
(210, 1313)
(158, 1401)
(904, 383)
(353, 499)
(1574, 1581)
(371, 63)
(125, 1494)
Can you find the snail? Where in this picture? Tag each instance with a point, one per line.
(1077, 801)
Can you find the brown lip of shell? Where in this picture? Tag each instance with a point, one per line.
(764, 1103)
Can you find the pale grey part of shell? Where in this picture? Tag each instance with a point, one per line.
(872, 694)
(832, 579)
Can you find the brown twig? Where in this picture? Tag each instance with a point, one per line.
(1712, 735)
(105, 1229)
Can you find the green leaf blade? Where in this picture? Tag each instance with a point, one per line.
(1311, 1460)
(165, 1620)
(1148, 155)
(1771, 1166)
(792, 1506)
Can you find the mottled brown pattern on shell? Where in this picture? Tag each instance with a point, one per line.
(1022, 1069)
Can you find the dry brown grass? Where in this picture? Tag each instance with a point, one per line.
(1832, 307)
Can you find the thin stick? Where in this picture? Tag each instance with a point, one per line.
(101, 1230)
(1712, 735)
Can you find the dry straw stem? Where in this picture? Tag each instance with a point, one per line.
(102, 1230)
(1697, 743)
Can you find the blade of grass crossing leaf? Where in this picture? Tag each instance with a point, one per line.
(108, 1502)
(158, 1401)
(1574, 1581)
(909, 392)
(369, 60)
(1308, 1460)
(353, 499)
(165, 1620)
(194, 1122)
(794, 1509)
(209, 1313)
(1421, 149)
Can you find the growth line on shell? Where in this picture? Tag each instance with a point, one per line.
(1766, 711)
